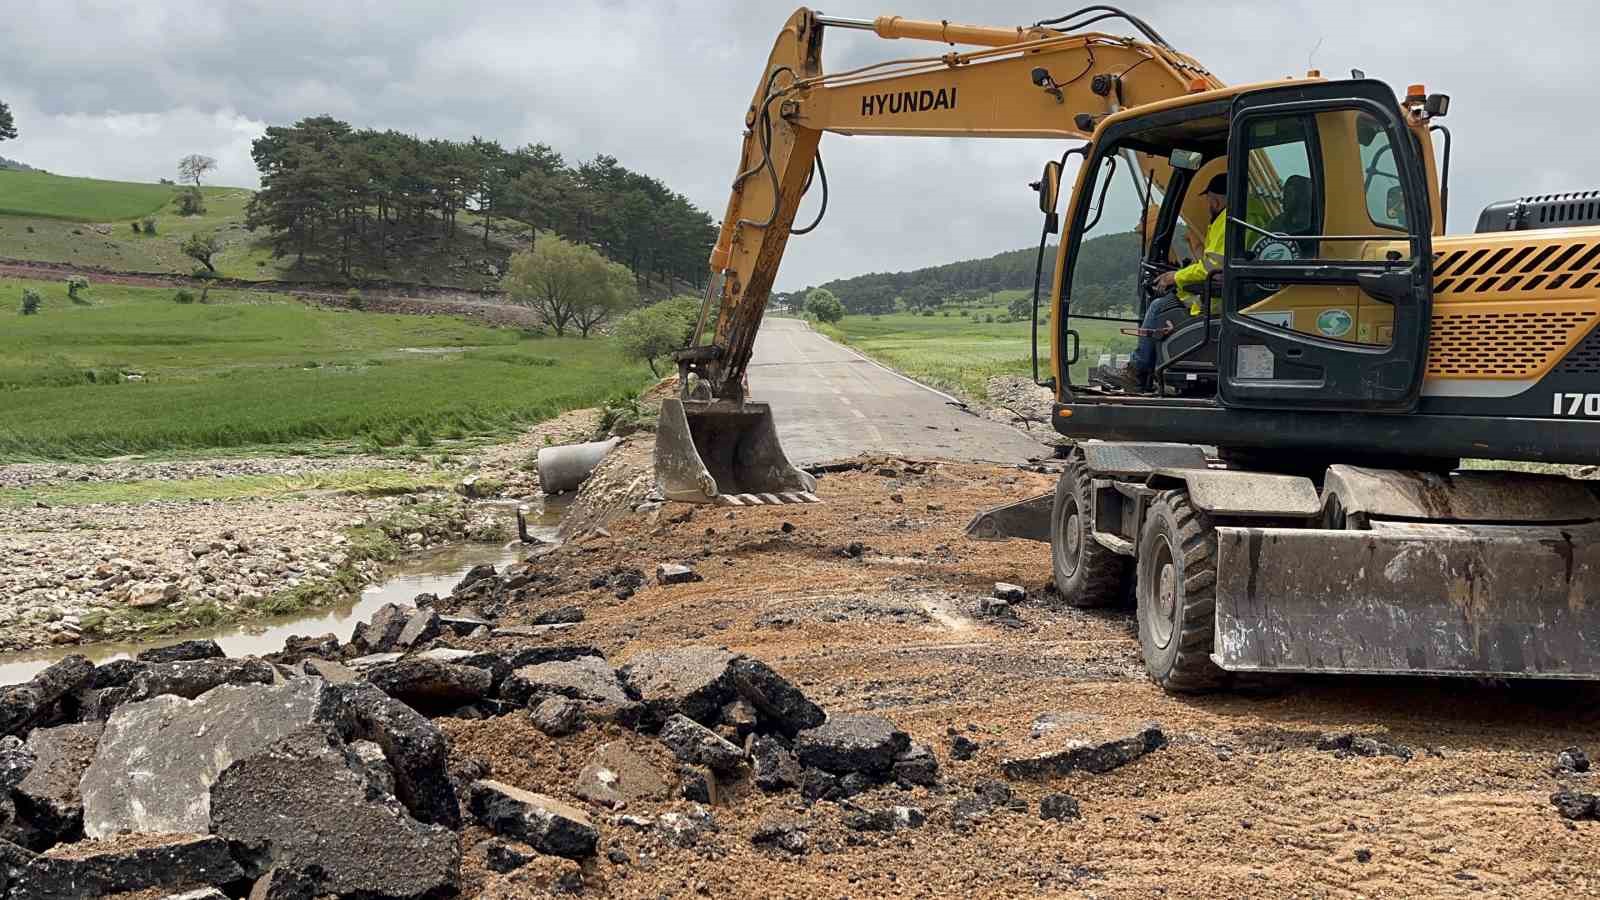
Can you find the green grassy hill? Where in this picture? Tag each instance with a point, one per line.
(42, 196)
(249, 369)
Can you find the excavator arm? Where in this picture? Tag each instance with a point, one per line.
(1051, 80)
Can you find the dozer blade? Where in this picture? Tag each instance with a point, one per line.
(725, 453)
(1407, 598)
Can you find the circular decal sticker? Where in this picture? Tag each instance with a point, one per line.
(1334, 322)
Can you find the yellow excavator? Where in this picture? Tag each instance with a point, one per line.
(1289, 497)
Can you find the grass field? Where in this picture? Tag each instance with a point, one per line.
(252, 370)
(962, 353)
(42, 196)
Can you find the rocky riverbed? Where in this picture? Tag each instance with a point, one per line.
(103, 564)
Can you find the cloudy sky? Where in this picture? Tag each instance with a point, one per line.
(123, 89)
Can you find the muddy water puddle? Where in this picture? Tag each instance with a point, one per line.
(429, 572)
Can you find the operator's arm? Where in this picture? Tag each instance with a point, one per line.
(1189, 277)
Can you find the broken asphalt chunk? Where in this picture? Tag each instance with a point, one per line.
(543, 823)
(1081, 756)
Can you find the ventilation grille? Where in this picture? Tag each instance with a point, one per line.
(1556, 210)
(1529, 268)
(1511, 344)
(1584, 358)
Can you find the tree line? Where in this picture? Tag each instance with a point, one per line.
(353, 198)
(1103, 279)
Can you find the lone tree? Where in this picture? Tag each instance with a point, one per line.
(652, 334)
(191, 167)
(8, 126)
(570, 285)
(824, 306)
(201, 248)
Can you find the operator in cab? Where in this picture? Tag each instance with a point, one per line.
(1182, 287)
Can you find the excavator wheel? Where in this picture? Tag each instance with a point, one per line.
(1176, 595)
(1087, 575)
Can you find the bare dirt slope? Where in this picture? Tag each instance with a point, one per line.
(1240, 803)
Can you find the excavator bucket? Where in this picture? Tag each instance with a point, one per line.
(727, 453)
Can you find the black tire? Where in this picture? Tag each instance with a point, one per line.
(1176, 595)
(1087, 575)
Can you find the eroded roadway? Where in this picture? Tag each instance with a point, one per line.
(832, 403)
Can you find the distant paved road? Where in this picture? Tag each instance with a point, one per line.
(831, 403)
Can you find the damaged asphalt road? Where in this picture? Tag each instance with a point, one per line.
(832, 708)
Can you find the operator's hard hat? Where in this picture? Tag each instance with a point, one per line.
(1218, 185)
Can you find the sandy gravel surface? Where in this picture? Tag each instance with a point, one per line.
(1240, 803)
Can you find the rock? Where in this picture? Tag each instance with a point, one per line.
(1572, 759)
(693, 681)
(381, 633)
(618, 856)
(995, 608)
(1576, 806)
(152, 595)
(273, 808)
(421, 627)
(889, 819)
(916, 766)
(191, 679)
(502, 857)
(463, 626)
(616, 775)
(157, 759)
(475, 574)
(209, 893)
(16, 761)
(49, 796)
(115, 673)
(739, 716)
(698, 745)
(414, 747)
(543, 823)
(671, 573)
(286, 883)
(1098, 758)
(774, 764)
(332, 672)
(1010, 593)
(1059, 807)
(852, 744)
(557, 716)
(778, 702)
(183, 651)
(987, 796)
(297, 648)
(1363, 855)
(784, 835)
(427, 685)
(587, 678)
(561, 615)
(816, 784)
(963, 747)
(684, 829)
(22, 705)
(696, 784)
(375, 659)
(1350, 744)
(374, 765)
(90, 871)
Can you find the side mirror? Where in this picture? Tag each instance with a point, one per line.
(1187, 160)
(1049, 187)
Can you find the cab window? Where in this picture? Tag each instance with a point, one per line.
(1386, 202)
(1283, 192)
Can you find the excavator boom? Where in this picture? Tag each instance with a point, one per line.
(1026, 82)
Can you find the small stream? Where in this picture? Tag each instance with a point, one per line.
(433, 571)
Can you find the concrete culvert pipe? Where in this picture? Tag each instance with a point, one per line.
(563, 468)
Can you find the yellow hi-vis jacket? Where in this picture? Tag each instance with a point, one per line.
(1189, 277)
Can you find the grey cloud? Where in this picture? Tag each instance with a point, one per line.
(123, 90)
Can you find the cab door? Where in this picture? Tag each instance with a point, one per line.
(1326, 290)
